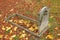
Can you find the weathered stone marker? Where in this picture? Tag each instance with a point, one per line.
(42, 21)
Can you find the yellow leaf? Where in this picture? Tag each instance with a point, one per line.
(10, 31)
(51, 16)
(10, 20)
(35, 26)
(3, 28)
(21, 21)
(22, 35)
(5, 36)
(58, 34)
(25, 22)
(23, 31)
(49, 25)
(15, 21)
(26, 38)
(28, 21)
(31, 28)
(11, 10)
(50, 36)
(27, 25)
(56, 28)
(13, 36)
(15, 28)
(1, 36)
(8, 28)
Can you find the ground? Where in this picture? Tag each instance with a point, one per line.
(29, 8)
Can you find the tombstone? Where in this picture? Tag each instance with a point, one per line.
(42, 21)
